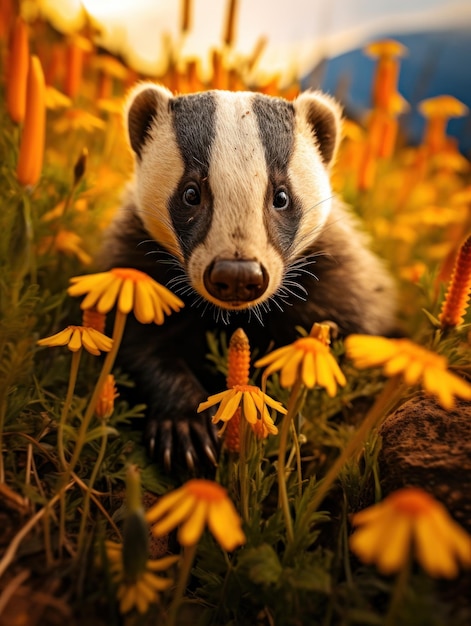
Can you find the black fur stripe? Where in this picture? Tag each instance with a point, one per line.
(276, 124)
(194, 126)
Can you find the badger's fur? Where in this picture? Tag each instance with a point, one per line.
(231, 208)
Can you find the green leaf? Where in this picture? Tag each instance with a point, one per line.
(263, 564)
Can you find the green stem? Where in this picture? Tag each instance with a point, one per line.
(118, 330)
(243, 475)
(74, 366)
(397, 597)
(3, 412)
(388, 397)
(189, 553)
(86, 500)
(283, 501)
(298, 459)
(29, 232)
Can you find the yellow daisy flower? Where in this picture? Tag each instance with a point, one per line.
(196, 503)
(76, 337)
(142, 591)
(401, 356)
(410, 519)
(253, 401)
(308, 358)
(130, 289)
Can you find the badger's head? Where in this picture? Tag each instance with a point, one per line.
(235, 185)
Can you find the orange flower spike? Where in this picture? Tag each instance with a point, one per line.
(229, 34)
(75, 52)
(238, 362)
(220, 76)
(238, 359)
(30, 159)
(456, 300)
(386, 76)
(18, 63)
(437, 112)
(7, 13)
(186, 16)
(232, 432)
(91, 318)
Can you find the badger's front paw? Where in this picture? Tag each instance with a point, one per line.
(188, 438)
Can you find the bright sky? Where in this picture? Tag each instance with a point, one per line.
(299, 32)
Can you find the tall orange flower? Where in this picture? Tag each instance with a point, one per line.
(437, 111)
(456, 300)
(30, 159)
(238, 365)
(18, 72)
(76, 49)
(387, 51)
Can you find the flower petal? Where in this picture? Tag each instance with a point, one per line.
(109, 296)
(192, 529)
(277, 356)
(212, 400)
(88, 343)
(75, 342)
(324, 375)
(101, 341)
(166, 502)
(228, 407)
(432, 553)
(174, 517)
(308, 372)
(225, 524)
(395, 551)
(61, 338)
(250, 410)
(157, 582)
(126, 297)
(369, 351)
(289, 373)
(143, 306)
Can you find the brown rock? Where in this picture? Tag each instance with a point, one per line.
(427, 446)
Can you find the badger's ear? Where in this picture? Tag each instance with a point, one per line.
(323, 117)
(146, 103)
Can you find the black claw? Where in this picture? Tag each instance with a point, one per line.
(167, 459)
(190, 439)
(210, 454)
(190, 460)
(151, 446)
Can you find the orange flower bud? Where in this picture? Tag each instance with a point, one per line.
(186, 16)
(229, 34)
(31, 154)
(105, 405)
(456, 300)
(18, 62)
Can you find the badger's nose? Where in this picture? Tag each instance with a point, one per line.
(235, 280)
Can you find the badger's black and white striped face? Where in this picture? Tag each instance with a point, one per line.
(234, 184)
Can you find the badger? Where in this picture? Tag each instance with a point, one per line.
(231, 207)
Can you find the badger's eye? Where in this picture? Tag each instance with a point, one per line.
(281, 199)
(191, 195)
